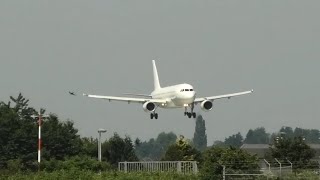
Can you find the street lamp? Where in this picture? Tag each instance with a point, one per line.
(99, 143)
(39, 116)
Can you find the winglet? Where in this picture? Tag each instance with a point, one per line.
(252, 90)
(85, 94)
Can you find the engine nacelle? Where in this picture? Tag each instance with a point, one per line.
(149, 107)
(206, 105)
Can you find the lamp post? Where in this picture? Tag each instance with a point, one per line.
(99, 143)
(39, 116)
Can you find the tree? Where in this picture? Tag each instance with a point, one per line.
(257, 136)
(294, 149)
(118, 149)
(89, 147)
(200, 136)
(18, 133)
(60, 139)
(219, 143)
(236, 159)
(234, 140)
(182, 151)
(21, 107)
(310, 135)
(154, 149)
(287, 131)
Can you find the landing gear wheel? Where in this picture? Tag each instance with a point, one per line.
(156, 115)
(194, 115)
(189, 115)
(151, 116)
(185, 113)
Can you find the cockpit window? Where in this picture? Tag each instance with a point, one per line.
(191, 89)
(182, 90)
(186, 89)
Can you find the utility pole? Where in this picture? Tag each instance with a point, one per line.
(99, 143)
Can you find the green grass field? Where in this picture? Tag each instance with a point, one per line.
(114, 175)
(89, 175)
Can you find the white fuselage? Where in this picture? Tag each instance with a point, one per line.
(177, 96)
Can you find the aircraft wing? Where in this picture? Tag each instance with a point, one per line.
(126, 99)
(197, 100)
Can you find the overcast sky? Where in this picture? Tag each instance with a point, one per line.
(48, 48)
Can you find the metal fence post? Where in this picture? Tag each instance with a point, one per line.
(179, 167)
(224, 173)
(195, 167)
(267, 164)
(290, 164)
(280, 165)
(125, 166)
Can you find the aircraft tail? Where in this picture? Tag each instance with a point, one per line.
(155, 76)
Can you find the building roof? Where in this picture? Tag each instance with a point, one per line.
(315, 146)
(255, 146)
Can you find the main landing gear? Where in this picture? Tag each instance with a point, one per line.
(190, 114)
(154, 115)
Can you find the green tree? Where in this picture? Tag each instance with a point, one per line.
(219, 143)
(234, 140)
(294, 149)
(118, 149)
(286, 131)
(154, 149)
(21, 107)
(200, 136)
(18, 133)
(89, 147)
(310, 135)
(59, 139)
(257, 136)
(182, 151)
(236, 159)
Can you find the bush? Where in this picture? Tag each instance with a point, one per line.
(76, 163)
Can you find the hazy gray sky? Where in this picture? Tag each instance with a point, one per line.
(105, 47)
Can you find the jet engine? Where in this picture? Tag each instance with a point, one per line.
(149, 107)
(206, 105)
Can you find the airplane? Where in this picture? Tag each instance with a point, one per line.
(72, 93)
(177, 96)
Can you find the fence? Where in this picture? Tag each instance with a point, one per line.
(247, 171)
(185, 167)
(266, 170)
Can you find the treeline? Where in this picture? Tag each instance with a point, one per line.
(64, 149)
(260, 136)
(61, 142)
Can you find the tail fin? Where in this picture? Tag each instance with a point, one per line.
(155, 76)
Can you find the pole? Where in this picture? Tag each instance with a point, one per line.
(99, 147)
(39, 141)
(99, 143)
(224, 172)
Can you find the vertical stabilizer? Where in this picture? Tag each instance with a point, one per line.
(155, 76)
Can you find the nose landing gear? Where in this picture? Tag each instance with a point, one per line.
(190, 114)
